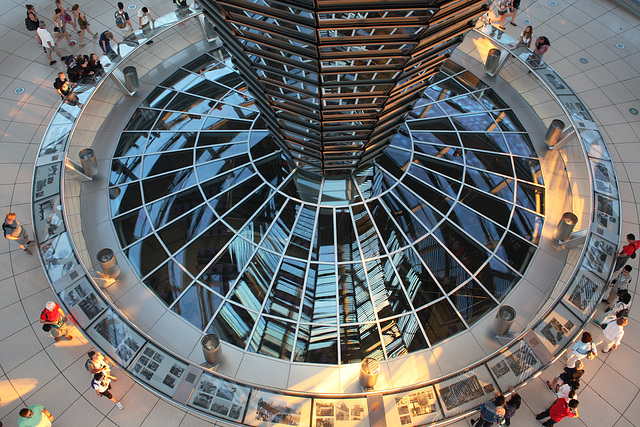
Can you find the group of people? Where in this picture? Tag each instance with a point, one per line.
(79, 21)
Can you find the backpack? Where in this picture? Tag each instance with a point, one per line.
(7, 229)
(86, 365)
(31, 24)
(120, 22)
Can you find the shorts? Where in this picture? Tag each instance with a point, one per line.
(107, 393)
(502, 12)
(60, 30)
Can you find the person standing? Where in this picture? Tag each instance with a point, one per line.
(491, 412)
(503, 9)
(618, 285)
(581, 349)
(102, 384)
(525, 37)
(54, 316)
(146, 21)
(81, 18)
(620, 308)
(569, 374)
(122, 18)
(541, 47)
(558, 411)
(105, 41)
(613, 333)
(13, 230)
(627, 251)
(35, 416)
(511, 407)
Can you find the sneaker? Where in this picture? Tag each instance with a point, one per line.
(95, 35)
(72, 43)
(501, 27)
(30, 242)
(27, 251)
(119, 405)
(607, 310)
(57, 339)
(82, 44)
(69, 337)
(549, 386)
(79, 31)
(539, 417)
(514, 24)
(604, 301)
(596, 322)
(52, 62)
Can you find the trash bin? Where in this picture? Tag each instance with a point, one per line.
(89, 163)
(369, 370)
(211, 349)
(131, 81)
(504, 318)
(108, 263)
(493, 59)
(553, 132)
(566, 226)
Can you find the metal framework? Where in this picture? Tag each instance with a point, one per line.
(334, 80)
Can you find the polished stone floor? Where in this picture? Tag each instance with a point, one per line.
(36, 370)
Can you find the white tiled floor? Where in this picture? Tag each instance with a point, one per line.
(35, 370)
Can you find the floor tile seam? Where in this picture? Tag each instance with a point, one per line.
(184, 412)
(603, 398)
(20, 397)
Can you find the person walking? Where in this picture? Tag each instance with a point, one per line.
(122, 18)
(66, 17)
(618, 285)
(581, 349)
(558, 411)
(81, 18)
(627, 251)
(568, 375)
(13, 230)
(32, 22)
(48, 45)
(503, 9)
(613, 333)
(35, 416)
(513, 11)
(99, 363)
(60, 28)
(54, 316)
(491, 412)
(102, 384)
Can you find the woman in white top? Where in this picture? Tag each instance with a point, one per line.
(525, 37)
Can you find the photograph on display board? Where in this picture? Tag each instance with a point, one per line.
(593, 144)
(465, 391)
(607, 213)
(604, 177)
(584, 294)
(46, 181)
(341, 412)
(58, 257)
(216, 396)
(514, 365)
(554, 331)
(82, 302)
(125, 341)
(48, 217)
(576, 109)
(600, 256)
(271, 409)
(418, 407)
(159, 369)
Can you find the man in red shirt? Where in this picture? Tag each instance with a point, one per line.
(627, 251)
(54, 316)
(559, 411)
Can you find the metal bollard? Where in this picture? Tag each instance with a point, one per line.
(553, 132)
(89, 163)
(566, 226)
(211, 349)
(369, 370)
(504, 319)
(493, 59)
(131, 81)
(108, 263)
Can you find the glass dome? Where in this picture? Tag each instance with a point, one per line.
(395, 258)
